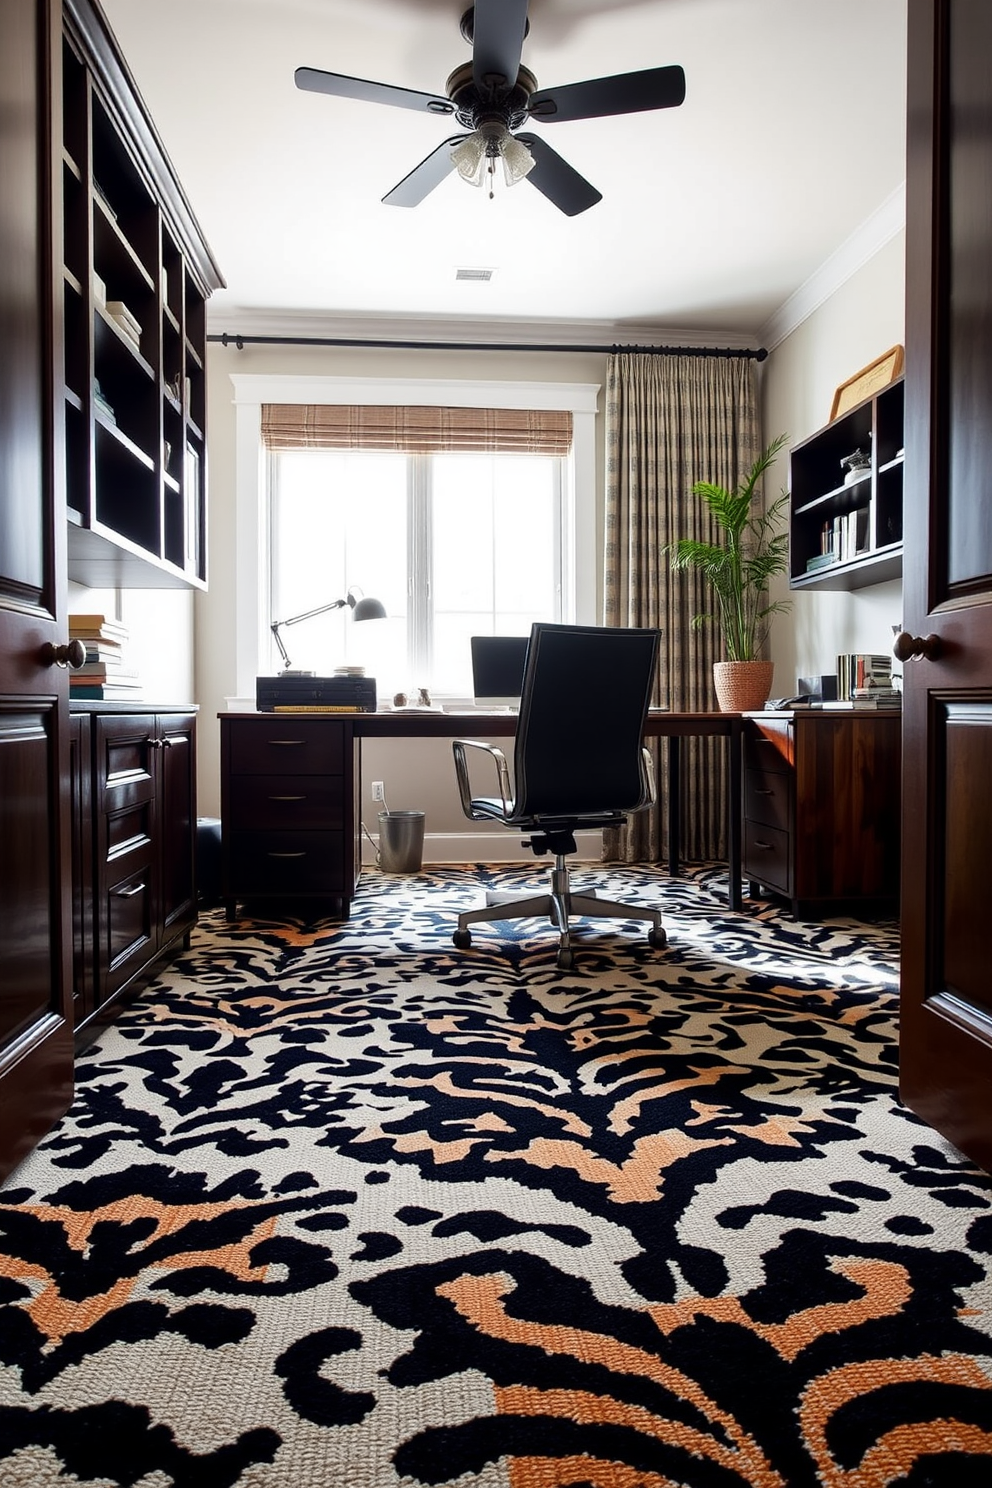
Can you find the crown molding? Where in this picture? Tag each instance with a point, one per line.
(317, 325)
(880, 228)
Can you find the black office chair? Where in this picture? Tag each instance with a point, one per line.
(578, 761)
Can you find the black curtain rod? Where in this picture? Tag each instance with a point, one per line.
(241, 342)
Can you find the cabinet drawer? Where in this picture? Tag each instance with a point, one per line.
(128, 927)
(767, 856)
(306, 803)
(767, 798)
(769, 746)
(281, 745)
(287, 863)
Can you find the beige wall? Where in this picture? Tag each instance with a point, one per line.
(857, 323)
(861, 319)
(418, 774)
(160, 641)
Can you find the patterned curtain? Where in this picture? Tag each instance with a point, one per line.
(672, 421)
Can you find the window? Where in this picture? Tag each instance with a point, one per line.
(454, 544)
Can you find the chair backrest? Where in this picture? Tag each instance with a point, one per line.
(579, 737)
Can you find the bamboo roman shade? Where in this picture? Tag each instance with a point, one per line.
(414, 430)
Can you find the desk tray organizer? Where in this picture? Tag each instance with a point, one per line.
(330, 694)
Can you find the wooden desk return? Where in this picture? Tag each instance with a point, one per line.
(291, 794)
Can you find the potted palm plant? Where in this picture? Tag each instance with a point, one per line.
(753, 546)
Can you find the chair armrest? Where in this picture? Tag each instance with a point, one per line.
(459, 746)
(649, 793)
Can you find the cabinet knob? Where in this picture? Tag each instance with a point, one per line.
(71, 655)
(916, 648)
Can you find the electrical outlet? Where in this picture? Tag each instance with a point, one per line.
(378, 791)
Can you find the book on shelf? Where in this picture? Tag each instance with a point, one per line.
(862, 669)
(106, 651)
(98, 628)
(92, 690)
(103, 671)
(842, 538)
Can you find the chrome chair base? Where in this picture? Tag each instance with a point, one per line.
(558, 905)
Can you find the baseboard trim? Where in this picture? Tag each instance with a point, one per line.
(489, 847)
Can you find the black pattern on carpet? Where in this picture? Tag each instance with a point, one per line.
(340, 1205)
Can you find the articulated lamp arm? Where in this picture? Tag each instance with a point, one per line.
(362, 609)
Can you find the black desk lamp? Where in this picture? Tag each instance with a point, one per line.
(362, 607)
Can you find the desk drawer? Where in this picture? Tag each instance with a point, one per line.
(769, 745)
(767, 798)
(767, 857)
(288, 863)
(304, 803)
(287, 743)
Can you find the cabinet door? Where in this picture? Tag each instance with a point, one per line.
(35, 926)
(946, 1020)
(177, 824)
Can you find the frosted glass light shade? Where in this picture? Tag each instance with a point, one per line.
(472, 155)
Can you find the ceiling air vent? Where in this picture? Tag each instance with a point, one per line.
(475, 276)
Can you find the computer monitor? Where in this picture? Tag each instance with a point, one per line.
(498, 670)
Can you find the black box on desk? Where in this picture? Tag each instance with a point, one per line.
(821, 689)
(315, 694)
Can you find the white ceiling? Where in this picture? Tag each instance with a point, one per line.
(791, 136)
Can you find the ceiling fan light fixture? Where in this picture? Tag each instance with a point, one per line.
(475, 156)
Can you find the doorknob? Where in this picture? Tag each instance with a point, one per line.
(916, 648)
(72, 655)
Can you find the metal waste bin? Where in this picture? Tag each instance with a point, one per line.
(401, 841)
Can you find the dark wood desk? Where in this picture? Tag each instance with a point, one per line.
(290, 781)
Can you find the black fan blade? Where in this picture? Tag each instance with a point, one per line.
(311, 80)
(627, 93)
(411, 191)
(557, 180)
(498, 30)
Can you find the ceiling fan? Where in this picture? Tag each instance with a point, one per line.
(491, 97)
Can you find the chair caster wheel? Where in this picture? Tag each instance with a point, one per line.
(657, 939)
(565, 959)
(462, 939)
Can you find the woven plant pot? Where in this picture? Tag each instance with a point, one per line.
(742, 686)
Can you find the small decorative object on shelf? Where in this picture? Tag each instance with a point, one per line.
(855, 466)
(870, 380)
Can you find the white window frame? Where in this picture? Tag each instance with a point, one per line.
(252, 390)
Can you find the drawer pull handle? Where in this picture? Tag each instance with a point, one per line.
(287, 855)
(286, 743)
(762, 790)
(131, 892)
(287, 798)
(765, 845)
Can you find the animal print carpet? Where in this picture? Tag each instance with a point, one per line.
(338, 1206)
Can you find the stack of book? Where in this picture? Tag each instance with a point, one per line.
(864, 680)
(104, 674)
(125, 321)
(841, 539)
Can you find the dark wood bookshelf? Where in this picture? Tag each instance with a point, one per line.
(867, 509)
(138, 501)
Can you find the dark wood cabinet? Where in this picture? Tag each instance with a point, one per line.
(35, 922)
(288, 805)
(136, 846)
(136, 275)
(821, 810)
(847, 533)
